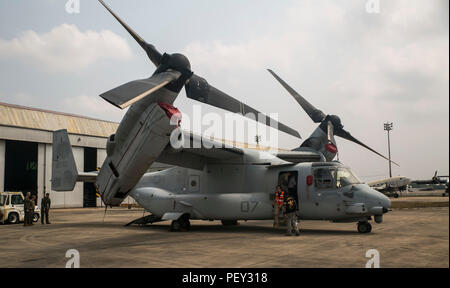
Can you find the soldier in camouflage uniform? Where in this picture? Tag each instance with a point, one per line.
(26, 208)
(45, 207)
(291, 216)
(32, 208)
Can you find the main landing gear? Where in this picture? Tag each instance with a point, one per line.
(181, 225)
(364, 227)
(230, 223)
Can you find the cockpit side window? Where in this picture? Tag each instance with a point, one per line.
(324, 177)
(345, 177)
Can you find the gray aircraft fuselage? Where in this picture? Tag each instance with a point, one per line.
(246, 192)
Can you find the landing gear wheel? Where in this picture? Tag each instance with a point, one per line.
(364, 227)
(229, 223)
(183, 224)
(175, 226)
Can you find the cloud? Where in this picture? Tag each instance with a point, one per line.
(367, 68)
(19, 98)
(65, 48)
(394, 58)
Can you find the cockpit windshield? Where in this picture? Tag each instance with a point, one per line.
(345, 177)
(332, 177)
(2, 200)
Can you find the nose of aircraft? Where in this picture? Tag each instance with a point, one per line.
(385, 202)
(376, 199)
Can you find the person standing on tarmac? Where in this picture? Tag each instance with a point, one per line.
(32, 208)
(45, 207)
(26, 209)
(279, 205)
(291, 216)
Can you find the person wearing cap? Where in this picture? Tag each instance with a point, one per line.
(291, 215)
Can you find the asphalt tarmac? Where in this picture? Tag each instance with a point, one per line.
(407, 238)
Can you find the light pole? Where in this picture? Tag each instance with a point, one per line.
(388, 127)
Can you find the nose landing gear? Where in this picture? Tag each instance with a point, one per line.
(364, 227)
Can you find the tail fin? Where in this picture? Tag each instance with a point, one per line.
(64, 169)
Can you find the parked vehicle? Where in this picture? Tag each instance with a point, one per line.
(12, 208)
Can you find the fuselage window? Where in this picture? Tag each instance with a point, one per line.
(324, 178)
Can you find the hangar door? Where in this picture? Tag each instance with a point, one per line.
(90, 164)
(21, 165)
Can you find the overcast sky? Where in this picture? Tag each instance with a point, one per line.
(368, 68)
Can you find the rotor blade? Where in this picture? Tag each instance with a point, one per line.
(198, 89)
(152, 53)
(315, 114)
(330, 131)
(346, 135)
(131, 92)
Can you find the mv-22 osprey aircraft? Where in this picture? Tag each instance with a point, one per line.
(213, 182)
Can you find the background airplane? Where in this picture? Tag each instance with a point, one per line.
(391, 186)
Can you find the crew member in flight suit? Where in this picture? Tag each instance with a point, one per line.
(279, 205)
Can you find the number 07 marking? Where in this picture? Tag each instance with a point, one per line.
(249, 207)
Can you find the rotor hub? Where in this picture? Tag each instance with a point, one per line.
(178, 62)
(336, 121)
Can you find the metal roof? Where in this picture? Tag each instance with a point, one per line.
(39, 119)
(32, 118)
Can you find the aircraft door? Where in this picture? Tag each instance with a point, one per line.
(325, 194)
(288, 180)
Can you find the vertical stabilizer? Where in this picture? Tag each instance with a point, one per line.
(64, 169)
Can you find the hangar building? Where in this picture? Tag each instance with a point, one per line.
(26, 152)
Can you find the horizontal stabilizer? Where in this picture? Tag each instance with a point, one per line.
(129, 93)
(88, 177)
